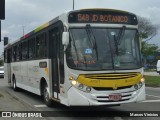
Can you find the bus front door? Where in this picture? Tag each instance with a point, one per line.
(54, 53)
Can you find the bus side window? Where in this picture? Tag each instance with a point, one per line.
(41, 46)
(10, 53)
(17, 53)
(9, 56)
(24, 50)
(32, 48)
(14, 53)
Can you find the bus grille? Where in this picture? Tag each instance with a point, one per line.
(105, 98)
(112, 76)
(110, 88)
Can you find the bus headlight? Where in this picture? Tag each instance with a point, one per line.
(74, 82)
(81, 86)
(78, 85)
(136, 86)
(88, 89)
(140, 84)
(142, 79)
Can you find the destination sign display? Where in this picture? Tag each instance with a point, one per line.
(114, 17)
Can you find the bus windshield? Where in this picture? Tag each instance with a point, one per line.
(103, 49)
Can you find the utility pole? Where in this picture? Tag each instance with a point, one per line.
(23, 29)
(73, 4)
(2, 13)
(0, 30)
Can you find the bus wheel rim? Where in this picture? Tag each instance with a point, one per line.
(14, 84)
(46, 95)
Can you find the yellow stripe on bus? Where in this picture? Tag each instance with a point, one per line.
(41, 27)
(47, 72)
(109, 82)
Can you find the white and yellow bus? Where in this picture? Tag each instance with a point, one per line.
(88, 57)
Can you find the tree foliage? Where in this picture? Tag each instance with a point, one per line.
(146, 32)
(150, 49)
(146, 29)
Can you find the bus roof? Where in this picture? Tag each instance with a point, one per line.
(104, 9)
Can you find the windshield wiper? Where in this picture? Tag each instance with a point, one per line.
(110, 46)
(116, 45)
(121, 34)
(92, 38)
(72, 38)
(117, 40)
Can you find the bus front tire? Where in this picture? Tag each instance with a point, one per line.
(46, 98)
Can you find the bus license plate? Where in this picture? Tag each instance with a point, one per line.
(115, 97)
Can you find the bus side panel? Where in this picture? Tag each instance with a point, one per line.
(36, 72)
(24, 73)
(16, 72)
(33, 74)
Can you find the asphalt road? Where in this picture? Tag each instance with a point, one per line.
(152, 103)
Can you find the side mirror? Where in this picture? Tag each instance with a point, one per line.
(5, 41)
(65, 38)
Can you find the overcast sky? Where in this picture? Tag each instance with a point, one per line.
(29, 14)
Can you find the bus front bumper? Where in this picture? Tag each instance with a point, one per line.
(80, 98)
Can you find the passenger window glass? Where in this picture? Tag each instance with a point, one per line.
(17, 53)
(32, 48)
(14, 54)
(24, 50)
(41, 50)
